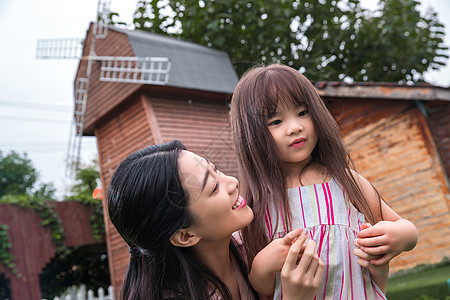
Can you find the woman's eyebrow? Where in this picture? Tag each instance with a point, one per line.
(205, 178)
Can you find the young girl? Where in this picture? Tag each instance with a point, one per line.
(177, 213)
(297, 172)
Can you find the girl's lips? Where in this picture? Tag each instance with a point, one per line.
(240, 202)
(298, 143)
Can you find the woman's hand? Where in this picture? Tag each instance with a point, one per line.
(302, 271)
(270, 260)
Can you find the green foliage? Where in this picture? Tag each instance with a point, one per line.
(83, 265)
(88, 178)
(17, 174)
(424, 282)
(6, 258)
(396, 43)
(326, 40)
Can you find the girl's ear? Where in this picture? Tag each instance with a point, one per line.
(185, 238)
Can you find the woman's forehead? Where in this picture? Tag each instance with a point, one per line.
(193, 169)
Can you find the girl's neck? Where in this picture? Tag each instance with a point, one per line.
(306, 175)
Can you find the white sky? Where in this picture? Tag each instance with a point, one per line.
(41, 128)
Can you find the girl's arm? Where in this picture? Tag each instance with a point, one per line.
(386, 239)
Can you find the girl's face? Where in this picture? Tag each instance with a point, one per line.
(215, 202)
(293, 132)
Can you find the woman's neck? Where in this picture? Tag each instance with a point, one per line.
(216, 256)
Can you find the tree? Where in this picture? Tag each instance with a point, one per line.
(326, 40)
(88, 178)
(17, 174)
(18, 179)
(396, 43)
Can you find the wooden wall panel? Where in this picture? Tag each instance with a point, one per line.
(390, 145)
(76, 223)
(204, 127)
(32, 245)
(125, 132)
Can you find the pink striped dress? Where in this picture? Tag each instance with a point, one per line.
(333, 222)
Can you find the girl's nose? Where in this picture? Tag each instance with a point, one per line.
(294, 127)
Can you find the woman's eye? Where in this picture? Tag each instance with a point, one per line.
(302, 113)
(216, 188)
(275, 122)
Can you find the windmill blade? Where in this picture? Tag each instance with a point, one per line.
(76, 131)
(146, 70)
(64, 48)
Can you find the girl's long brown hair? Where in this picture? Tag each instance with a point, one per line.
(261, 171)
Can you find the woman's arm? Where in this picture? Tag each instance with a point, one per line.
(302, 272)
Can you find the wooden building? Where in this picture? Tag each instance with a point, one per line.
(398, 135)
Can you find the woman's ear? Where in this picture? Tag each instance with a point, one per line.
(185, 238)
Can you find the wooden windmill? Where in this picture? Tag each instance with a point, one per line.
(144, 70)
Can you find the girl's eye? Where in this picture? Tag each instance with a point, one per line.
(302, 113)
(275, 122)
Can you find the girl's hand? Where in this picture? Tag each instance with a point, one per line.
(302, 271)
(379, 273)
(385, 240)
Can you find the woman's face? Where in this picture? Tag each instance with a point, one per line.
(215, 202)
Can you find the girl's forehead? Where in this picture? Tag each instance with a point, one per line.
(288, 106)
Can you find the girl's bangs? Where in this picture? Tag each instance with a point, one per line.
(283, 90)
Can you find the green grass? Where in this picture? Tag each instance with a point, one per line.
(422, 282)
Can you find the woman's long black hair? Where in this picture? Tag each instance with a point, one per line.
(148, 205)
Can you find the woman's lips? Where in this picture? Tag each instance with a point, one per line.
(240, 202)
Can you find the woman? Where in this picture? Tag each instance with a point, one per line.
(177, 213)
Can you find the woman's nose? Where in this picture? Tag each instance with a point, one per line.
(232, 184)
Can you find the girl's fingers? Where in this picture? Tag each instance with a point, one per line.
(294, 251)
(370, 242)
(376, 251)
(370, 232)
(361, 254)
(365, 226)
